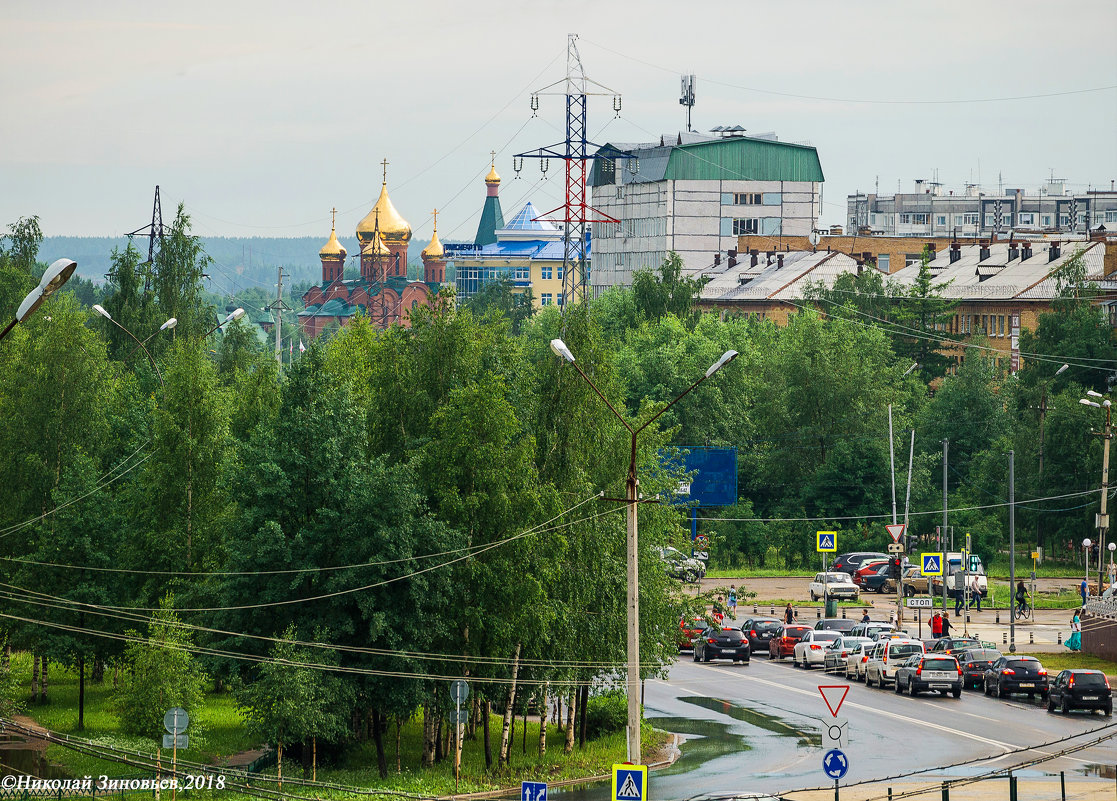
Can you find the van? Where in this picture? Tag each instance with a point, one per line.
(886, 657)
(952, 570)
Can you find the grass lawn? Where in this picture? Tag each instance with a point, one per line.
(757, 572)
(1070, 659)
(223, 733)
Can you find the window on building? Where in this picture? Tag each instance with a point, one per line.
(1006, 219)
(523, 273)
(747, 198)
(914, 218)
(985, 324)
(545, 272)
(546, 298)
(958, 219)
(1000, 325)
(559, 273)
(990, 220)
(1111, 216)
(608, 169)
(1064, 220)
(882, 262)
(970, 219)
(742, 226)
(1045, 220)
(912, 258)
(559, 299)
(1026, 218)
(940, 220)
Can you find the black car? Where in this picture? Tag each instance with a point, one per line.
(849, 562)
(954, 645)
(875, 582)
(1016, 674)
(841, 624)
(923, 672)
(974, 662)
(721, 643)
(760, 631)
(1080, 689)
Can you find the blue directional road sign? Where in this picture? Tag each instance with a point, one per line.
(826, 541)
(932, 564)
(630, 783)
(835, 764)
(533, 791)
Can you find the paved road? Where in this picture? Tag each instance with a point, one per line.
(761, 729)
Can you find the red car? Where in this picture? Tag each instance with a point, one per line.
(688, 630)
(867, 569)
(783, 644)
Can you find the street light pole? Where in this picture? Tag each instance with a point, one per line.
(171, 323)
(1042, 419)
(1011, 551)
(632, 540)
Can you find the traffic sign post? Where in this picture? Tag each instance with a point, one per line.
(895, 530)
(920, 603)
(459, 691)
(630, 783)
(175, 722)
(835, 733)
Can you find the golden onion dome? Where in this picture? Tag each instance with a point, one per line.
(434, 250)
(375, 248)
(393, 228)
(492, 177)
(332, 249)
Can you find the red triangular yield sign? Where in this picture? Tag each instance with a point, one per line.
(833, 695)
(896, 530)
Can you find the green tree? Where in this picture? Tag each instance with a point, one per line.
(19, 250)
(161, 673)
(921, 319)
(665, 291)
(180, 264)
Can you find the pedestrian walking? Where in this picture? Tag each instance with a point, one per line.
(936, 626)
(865, 617)
(789, 614)
(733, 601)
(945, 625)
(959, 595)
(1074, 641)
(1082, 588)
(975, 591)
(719, 613)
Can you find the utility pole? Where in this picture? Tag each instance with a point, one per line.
(907, 506)
(942, 541)
(277, 308)
(1011, 550)
(892, 462)
(1103, 518)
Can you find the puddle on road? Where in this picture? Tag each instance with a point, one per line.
(760, 720)
(1104, 771)
(705, 740)
(31, 762)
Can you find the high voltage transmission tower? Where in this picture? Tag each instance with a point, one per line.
(576, 212)
(154, 230)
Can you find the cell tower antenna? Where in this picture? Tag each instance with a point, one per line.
(686, 97)
(154, 230)
(576, 212)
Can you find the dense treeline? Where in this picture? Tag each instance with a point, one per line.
(406, 506)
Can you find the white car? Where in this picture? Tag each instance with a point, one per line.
(835, 657)
(834, 585)
(857, 659)
(811, 650)
(886, 657)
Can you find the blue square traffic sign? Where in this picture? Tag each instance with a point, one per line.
(629, 782)
(931, 564)
(826, 541)
(533, 791)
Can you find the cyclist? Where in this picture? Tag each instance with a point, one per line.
(1021, 599)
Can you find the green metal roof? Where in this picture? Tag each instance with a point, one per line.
(731, 158)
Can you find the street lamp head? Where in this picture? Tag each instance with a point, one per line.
(236, 314)
(560, 349)
(914, 366)
(1112, 547)
(55, 276)
(1086, 543)
(725, 359)
(1062, 369)
(171, 323)
(1093, 394)
(97, 307)
(1085, 402)
(1106, 404)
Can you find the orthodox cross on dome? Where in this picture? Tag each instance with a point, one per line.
(435, 213)
(333, 218)
(493, 162)
(385, 164)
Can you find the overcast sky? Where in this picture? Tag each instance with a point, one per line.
(261, 116)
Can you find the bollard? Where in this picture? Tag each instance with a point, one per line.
(1059, 638)
(998, 617)
(1011, 787)
(1063, 785)
(773, 609)
(818, 613)
(1031, 638)
(945, 792)
(889, 794)
(1004, 638)
(754, 609)
(843, 612)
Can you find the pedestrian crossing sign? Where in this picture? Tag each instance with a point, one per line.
(630, 783)
(932, 564)
(827, 541)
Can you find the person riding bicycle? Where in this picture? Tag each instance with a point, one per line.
(1021, 598)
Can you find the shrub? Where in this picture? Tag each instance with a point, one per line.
(606, 713)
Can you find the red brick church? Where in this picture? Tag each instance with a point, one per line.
(383, 293)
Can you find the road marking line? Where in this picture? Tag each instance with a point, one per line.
(904, 718)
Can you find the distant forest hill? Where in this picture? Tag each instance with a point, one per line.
(238, 262)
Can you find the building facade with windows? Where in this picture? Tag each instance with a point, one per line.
(695, 195)
(930, 211)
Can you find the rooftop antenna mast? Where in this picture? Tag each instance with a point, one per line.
(154, 230)
(686, 97)
(576, 212)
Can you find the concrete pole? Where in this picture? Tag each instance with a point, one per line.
(892, 462)
(942, 543)
(631, 486)
(1103, 520)
(1012, 550)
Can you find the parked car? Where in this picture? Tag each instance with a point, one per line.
(841, 624)
(886, 657)
(914, 582)
(721, 643)
(873, 629)
(857, 659)
(811, 649)
(876, 580)
(869, 568)
(1080, 689)
(835, 585)
(849, 562)
(760, 631)
(680, 566)
(1016, 674)
(688, 630)
(834, 658)
(783, 644)
(927, 672)
(974, 662)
